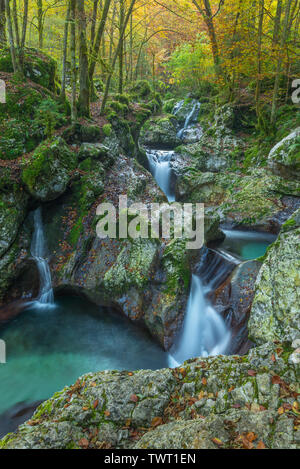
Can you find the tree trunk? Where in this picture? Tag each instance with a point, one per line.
(99, 36)
(65, 54)
(93, 26)
(121, 39)
(259, 61)
(84, 93)
(284, 37)
(208, 18)
(73, 58)
(16, 24)
(277, 23)
(116, 55)
(11, 37)
(2, 24)
(40, 22)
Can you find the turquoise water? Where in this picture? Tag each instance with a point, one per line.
(247, 245)
(49, 348)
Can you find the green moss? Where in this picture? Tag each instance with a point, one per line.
(141, 89)
(175, 262)
(107, 130)
(38, 66)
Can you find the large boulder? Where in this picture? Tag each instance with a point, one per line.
(13, 206)
(220, 402)
(160, 132)
(275, 309)
(38, 67)
(25, 116)
(47, 172)
(284, 158)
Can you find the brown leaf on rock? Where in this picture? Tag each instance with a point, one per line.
(83, 443)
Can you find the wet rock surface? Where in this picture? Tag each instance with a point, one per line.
(223, 402)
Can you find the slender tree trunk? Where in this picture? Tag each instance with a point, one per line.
(40, 23)
(2, 24)
(259, 61)
(121, 39)
(84, 93)
(73, 58)
(284, 37)
(277, 22)
(93, 26)
(65, 54)
(24, 30)
(115, 58)
(96, 48)
(131, 50)
(208, 18)
(16, 24)
(112, 29)
(11, 36)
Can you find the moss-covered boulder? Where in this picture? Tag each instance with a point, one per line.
(275, 309)
(23, 120)
(13, 206)
(160, 132)
(284, 158)
(220, 402)
(38, 67)
(46, 173)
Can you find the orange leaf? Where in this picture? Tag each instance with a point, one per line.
(95, 404)
(83, 443)
(261, 445)
(156, 422)
(134, 398)
(217, 442)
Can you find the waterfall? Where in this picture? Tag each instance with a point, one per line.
(189, 119)
(161, 170)
(38, 251)
(177, 107)
(204, 331)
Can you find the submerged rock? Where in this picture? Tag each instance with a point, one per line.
(227, 402)
(275, 309)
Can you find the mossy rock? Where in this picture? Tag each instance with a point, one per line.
(21, 126)
(13, 206)
(78, 133)
(284, 158)
(141, 89)
(47, 172)
(38, 67)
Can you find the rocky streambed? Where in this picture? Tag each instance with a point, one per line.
(214, 402)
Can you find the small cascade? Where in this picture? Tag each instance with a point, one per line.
(190, 118)
(38, 251)
(177, 107)
(204, 332)
(161, 170)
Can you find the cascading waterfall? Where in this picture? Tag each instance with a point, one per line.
(161, 170)
(38, 251)
(204, 331)
(190, 118)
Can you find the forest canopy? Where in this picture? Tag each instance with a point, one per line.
(247, 49)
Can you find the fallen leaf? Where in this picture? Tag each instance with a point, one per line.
(251, 437)
(204, 381)
(217, 442)
(156, 422)
(134, 398)
(95, 404)
(252, 373)
(83, 443)
(261, 445)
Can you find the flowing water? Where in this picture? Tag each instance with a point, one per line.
(38, 252)
(190, 118)
(46, 352)
(161, 170)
